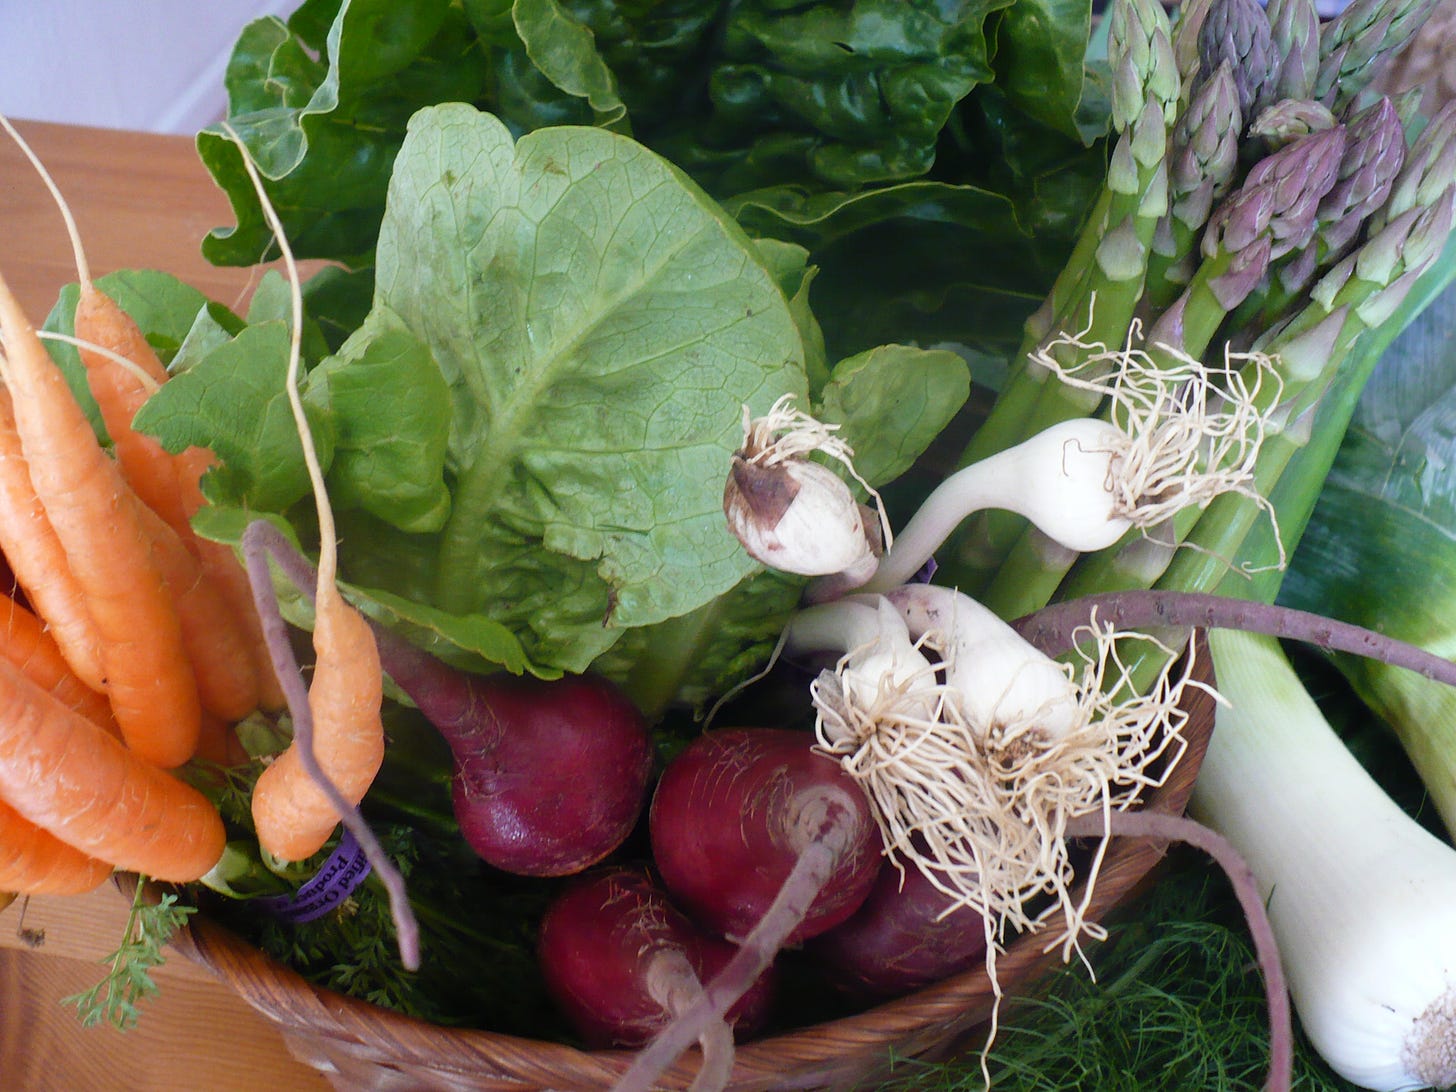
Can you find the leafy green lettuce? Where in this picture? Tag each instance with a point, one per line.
(527, 438)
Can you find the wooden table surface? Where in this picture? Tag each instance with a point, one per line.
(139, 200)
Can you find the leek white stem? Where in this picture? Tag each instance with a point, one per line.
(1362, 898)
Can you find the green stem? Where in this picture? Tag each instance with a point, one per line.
(673, 649)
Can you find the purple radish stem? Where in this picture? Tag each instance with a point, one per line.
(550, 776)
(1162, 827)
(275, 632)
(1051, 628)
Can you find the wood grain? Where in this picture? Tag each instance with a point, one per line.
(139, 200)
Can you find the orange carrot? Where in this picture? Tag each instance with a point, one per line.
(148, 679)
(292, 814)
(38, 561)
(123, 371)
(227, 683)
(69, 777)
(26, 643)
(147, 466)
(33, 862)
(228, 575)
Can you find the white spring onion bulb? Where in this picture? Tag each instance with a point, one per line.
(996, 675)
(878, 661)
(1361, 897)
(795, 515)
(1178, 434)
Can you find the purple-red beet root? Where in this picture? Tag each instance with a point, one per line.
(550, 776)
(620, 960)
(758, 836)
(734, 812)
(901, 938)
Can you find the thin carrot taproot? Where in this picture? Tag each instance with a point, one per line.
(71, 778)
(292, 814)
(26, 642)
(36, 862)
(149, 680)
(38, 561)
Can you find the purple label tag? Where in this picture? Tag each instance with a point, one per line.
(330, 886)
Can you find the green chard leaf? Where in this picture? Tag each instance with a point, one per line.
(303, 106)
(1040, 49)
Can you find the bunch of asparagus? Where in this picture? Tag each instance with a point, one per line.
(1260, 197)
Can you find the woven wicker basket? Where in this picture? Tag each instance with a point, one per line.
(363, 1047)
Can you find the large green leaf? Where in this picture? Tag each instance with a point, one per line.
(234, 401)
(600, 324)
(1040, 49)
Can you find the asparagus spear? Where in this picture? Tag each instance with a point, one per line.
(1374, 154)
(1288, 120)
(1355, 44)
(1271, 214)
(1238, 31)
(1104, 277)
(1358, 295)
(1295, 28)
(1202, 158)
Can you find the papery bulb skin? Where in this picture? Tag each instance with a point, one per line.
(798, 517)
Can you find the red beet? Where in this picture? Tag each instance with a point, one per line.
(901, 938)
(550, 775)
(734, 812)
(620, 960)
(759, 836)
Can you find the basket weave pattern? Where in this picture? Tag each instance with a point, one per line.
(363, 1048)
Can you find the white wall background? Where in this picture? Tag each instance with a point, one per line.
(154, 65)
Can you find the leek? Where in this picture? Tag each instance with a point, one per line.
(1361, 897)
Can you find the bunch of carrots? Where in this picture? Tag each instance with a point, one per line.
(131, 645)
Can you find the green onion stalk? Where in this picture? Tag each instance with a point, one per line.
(1103, 279)
(1272, 213)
